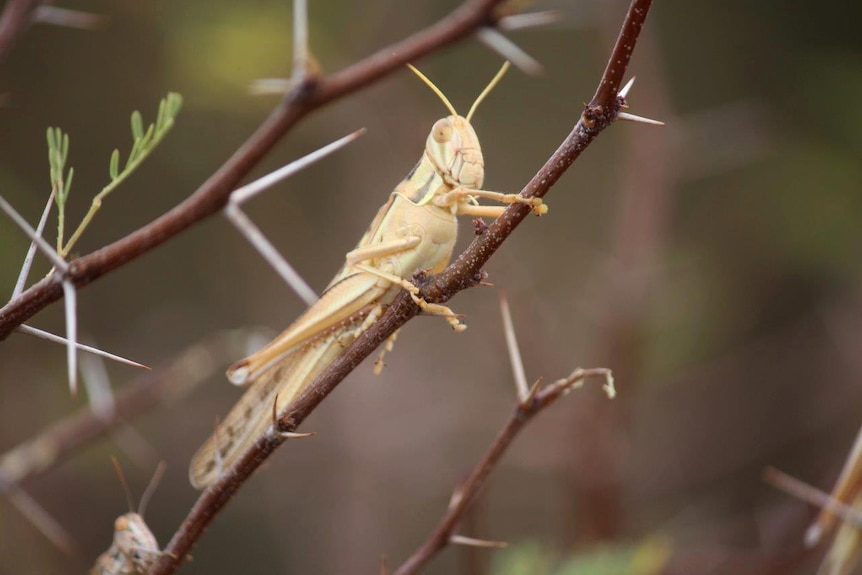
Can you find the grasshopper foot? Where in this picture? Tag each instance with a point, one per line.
(436, 309)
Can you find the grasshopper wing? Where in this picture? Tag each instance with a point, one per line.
(307, 347)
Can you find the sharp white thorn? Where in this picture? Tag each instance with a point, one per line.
(248, 191)
(269, 86)
(68, 18)
(300, 39)
(294, 435)
(530, 20)
(43, 246)
(70, 298)
(514, 351)
(89, 349)
(28, 259)
(473, 542)
(625, 90)
(640, 119)
(494, 40)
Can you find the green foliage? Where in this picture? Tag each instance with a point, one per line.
(144, 141)
(647, 557)
(58, 153)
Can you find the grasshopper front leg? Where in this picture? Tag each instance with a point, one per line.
(460, 193)
(390, 248)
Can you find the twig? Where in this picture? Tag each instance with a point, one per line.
(813, 496)
(67, 286)
(252, 233)
(469, 491)
(312, 93)
(459, 275)
(55, 443)
(846, 489)
(16, 18)
(39, 517)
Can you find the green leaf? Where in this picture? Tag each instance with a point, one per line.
(114, 169)
(137, 125)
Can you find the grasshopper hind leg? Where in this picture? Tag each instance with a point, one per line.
(451, 317)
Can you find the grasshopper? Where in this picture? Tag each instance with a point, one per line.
(134, 549)
(414, 231)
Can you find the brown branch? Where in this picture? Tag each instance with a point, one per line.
(462, 273)
(57, 442)
(467, 493)
(16, 18)
(311, 94)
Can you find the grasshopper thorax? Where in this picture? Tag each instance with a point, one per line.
(453, 148)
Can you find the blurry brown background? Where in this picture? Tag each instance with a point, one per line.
(713, 264)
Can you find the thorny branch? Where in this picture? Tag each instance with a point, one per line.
(53, 444)
(597, 116)
(310, 94)
(469, 491)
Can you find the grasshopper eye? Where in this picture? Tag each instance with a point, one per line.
(442, 131)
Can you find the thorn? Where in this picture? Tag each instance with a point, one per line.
(285, 434)
(514, 351)
(68, 18)
(530, 20)
(531, 395)
(270, 86)
(457, 495)
(640, 119)
(294, 435)
(248, 191)
(625, 89)
(41, 519)
(31, 251)
(812, 495)
(300, 40)
(494, 40)
(98, 386)
(43, 246)
(70, 304)
(26, 329)
(472, 542)
(270, 253)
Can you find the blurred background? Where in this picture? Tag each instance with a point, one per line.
(713, 264)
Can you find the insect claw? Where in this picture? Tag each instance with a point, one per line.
(540, 209)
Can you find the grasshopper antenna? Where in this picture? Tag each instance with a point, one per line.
(151, 488)
(434, 89)
(148, 492)
(124, 483)
(491, 85)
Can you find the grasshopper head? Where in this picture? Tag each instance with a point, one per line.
(453, 148)
(452, 145)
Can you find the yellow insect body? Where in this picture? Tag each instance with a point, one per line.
(415, 230)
